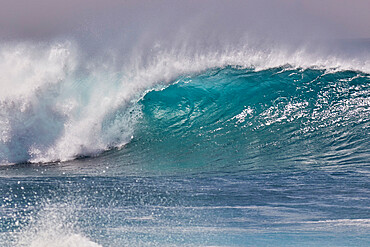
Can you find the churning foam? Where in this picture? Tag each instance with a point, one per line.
(54, 226)
(54, 105)
(73, 240)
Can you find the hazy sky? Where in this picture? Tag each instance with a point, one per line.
(45, 19)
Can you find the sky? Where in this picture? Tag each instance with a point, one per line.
(109, 19)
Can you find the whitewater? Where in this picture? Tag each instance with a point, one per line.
(163, 123)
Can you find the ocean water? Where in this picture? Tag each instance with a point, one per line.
(233, 148)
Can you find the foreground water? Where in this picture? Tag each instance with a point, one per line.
(228, 156)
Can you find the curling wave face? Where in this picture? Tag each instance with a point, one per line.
(183, 106)
(274, 117)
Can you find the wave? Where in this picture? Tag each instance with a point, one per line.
(277, 116)
(56, 105)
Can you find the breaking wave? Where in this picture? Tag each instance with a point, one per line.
(56, 105)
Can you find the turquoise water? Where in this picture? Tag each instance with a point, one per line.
(226, 156)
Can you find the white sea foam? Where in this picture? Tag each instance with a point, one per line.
(53, 226)
(73, 240)
(56, 105)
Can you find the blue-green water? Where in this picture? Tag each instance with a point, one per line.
(227, 156)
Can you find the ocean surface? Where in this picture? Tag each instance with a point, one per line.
(226, 149)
